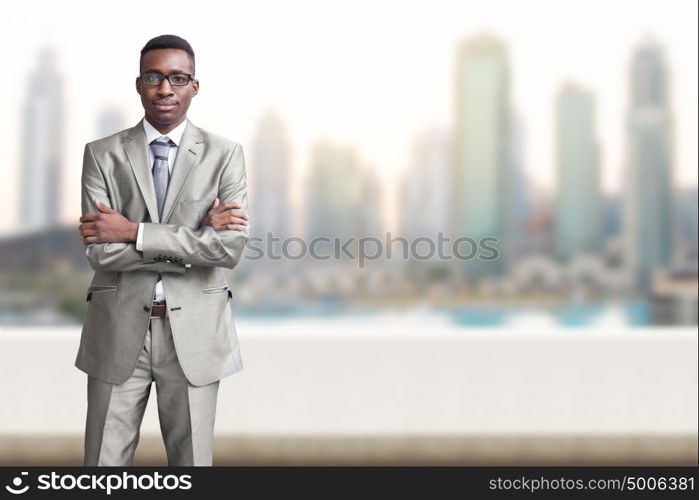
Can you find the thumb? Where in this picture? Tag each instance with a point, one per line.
(215, 202)
(102, 207)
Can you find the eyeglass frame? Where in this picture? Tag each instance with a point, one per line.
(167, 77)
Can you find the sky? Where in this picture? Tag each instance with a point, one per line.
(369, 74)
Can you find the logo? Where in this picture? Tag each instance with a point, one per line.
(17, 483)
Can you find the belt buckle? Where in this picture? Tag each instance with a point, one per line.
(154, 303)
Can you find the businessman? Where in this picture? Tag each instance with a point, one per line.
(164, 208)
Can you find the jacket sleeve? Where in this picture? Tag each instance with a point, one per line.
(113, 257)
(205, 246)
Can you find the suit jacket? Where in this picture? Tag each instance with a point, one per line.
(116, 171)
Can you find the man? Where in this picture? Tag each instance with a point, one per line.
(164, 207)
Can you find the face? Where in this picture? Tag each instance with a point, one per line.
(166, 105)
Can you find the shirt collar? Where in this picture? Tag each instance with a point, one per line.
(175, 134)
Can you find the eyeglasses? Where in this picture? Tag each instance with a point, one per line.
(176, 80)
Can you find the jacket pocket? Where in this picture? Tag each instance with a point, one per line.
(191, 212)
(187, 203)
(216, 289)
(99, 288)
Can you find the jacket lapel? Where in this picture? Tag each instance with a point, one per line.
(187, 153)
(135, 149)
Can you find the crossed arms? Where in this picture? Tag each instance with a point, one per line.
(110, 237)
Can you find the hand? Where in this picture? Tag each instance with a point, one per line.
(224, 216)
(107, 226)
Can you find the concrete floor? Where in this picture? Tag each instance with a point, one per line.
(384, 450)
(349, 392)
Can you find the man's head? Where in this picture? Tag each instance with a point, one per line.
(166, 103)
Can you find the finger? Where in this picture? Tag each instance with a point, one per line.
(237, 220)
(89, 217)
(91, 239)
(229, 204)
(103, 208)
(88, 225)
(215, 203)
(89, 232)
(242, 215)
(235, 227)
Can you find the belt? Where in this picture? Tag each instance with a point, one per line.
(158, 309)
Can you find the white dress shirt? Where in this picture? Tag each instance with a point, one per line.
(152, 134)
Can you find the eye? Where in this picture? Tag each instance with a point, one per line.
(179, 79)
(151, 78)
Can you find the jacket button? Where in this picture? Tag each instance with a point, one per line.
(146, 308)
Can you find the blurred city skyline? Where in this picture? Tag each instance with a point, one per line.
(600, 224)
(384, 140)
(565, 129)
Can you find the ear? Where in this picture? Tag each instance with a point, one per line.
(195, 87)
(138, 85)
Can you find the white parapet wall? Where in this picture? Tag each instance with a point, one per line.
(375, 378)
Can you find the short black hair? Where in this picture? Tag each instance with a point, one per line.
(167, 42)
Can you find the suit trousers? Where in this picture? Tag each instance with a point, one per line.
(186, 412)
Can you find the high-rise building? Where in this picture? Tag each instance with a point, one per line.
(42, 147)
(577, 228)
(520, 206)
(648, 221)
(687, 216)
(370, 216)
(332, 192)
(270, 180)
(612, 216)
(480, 204)
(423, 207)
(538, 227)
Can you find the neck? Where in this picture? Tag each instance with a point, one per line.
(165, 129)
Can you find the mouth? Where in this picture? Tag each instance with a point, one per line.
(165, 106)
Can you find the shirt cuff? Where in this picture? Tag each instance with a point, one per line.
(139, 237)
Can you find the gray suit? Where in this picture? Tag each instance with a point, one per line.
(188, 258)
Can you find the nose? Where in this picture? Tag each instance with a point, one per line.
(165, 89)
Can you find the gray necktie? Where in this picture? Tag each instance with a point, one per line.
(161, 172)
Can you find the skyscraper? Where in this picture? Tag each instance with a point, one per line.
(42, 147)
(519, 206)
(648, 217)
(578, 215)
(369, 211)
(481, 146)
(687, 216)
(424, 196)
(332, 192)
(270, 201)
